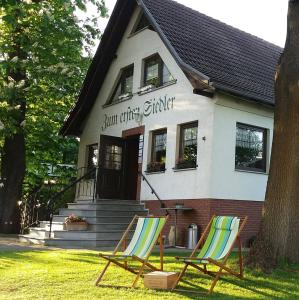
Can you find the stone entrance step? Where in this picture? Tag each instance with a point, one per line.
(107, 220)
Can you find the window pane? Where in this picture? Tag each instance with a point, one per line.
(124, 85)
(188, 145)
(159, 147)
(166, 75)
(113, 157)
(143, 22)
(250, 148)
(127, 82)
(128, 85)
(152, 72)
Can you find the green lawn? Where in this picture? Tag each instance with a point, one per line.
(70, 274)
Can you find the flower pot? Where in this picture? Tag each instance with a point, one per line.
(76, 226)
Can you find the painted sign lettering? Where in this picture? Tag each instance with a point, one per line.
(150, 107)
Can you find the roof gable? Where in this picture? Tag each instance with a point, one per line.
(212, 55)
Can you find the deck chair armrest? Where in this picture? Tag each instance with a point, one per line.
(186, 257)
(112, 255)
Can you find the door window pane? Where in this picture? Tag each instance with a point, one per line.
(250, 148)
(113, 157)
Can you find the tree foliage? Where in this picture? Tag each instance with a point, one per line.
(45, 50)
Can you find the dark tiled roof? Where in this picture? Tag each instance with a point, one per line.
(234, 61)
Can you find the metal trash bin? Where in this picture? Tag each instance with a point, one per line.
(192, 236)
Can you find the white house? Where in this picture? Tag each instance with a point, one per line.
(185, 99)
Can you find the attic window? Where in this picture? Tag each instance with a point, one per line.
(124, 86)
(156, 72)
(142, 23)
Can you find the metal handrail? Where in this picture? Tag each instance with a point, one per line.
(162, 205)
(60, 193)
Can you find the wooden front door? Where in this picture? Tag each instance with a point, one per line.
(131, 167)
(110, 183)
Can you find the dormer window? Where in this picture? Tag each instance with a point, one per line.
(155, 72)
(141, 23)
(124, 87)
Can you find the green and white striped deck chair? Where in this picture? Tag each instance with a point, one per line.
(147, 232)
(224, 231)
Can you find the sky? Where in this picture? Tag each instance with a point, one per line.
(263, 18)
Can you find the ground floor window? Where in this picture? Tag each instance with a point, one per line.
(188, 146)
(92, 156)
(158, 151)
(251, 148)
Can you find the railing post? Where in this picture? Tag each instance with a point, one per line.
(51, 220)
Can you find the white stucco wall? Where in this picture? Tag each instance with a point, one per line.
(186, 107)
(226, 182)
(215, 176)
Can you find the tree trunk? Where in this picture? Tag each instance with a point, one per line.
(278, 238)
(13, 171)
(13, 153)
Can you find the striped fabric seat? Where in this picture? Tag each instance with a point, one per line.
(145, 235)
(222, 235)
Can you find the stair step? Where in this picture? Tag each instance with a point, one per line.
(100, 219)
(95, 235)
(107, 206)
(107, 201)
(99, 213)
(81, 243)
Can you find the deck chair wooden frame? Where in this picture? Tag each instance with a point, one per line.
(113, 258)
(223, 269)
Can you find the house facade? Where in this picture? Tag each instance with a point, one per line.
(185, 100)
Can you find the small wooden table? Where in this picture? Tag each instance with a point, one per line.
(160, 280)
(176, 209)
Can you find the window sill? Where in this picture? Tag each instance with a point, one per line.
(117, 102)
(251, 171)
(154, 172)
(183, 169)
(136, 32)
(157, 88)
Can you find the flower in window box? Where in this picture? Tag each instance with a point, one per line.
(156, 167)
(185, 164)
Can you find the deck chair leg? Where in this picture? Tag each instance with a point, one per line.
(215, 280)
(180, 276)
(102, 273)
(139, 274)
(240, 258)
(161, 251)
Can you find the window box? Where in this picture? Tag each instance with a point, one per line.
(154, 167)
(186, 164)
(145, 89)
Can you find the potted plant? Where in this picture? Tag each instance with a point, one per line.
(74, 222)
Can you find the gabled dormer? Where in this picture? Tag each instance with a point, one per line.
(123, 88)
(155, 73)
(141, 23)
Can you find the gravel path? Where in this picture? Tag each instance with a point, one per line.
(10, 242)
